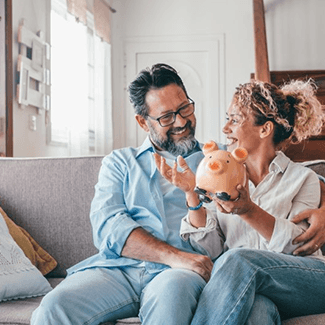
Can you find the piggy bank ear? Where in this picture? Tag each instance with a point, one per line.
(209, 146)
(240, 154)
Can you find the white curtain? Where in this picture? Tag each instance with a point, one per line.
(81, 109)
(103, 97)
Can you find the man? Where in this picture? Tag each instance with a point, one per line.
(143, 267)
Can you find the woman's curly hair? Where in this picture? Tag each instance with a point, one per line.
(293, 108)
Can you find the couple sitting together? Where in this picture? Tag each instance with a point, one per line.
(165, 257)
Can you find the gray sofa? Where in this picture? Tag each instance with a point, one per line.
(50, 198)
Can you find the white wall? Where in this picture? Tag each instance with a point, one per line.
(28, 143)
(295, 30)
(296, 33)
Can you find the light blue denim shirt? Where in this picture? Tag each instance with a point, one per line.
(128, 195)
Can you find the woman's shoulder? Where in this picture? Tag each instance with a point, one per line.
(299, 170)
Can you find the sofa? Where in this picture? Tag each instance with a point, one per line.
(50, 199)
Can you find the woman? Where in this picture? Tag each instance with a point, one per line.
(253, 235)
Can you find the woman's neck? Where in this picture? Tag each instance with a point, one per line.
(257, 164)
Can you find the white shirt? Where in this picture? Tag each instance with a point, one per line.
(287, 190)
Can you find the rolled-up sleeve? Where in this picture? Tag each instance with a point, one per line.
(208, 240)
(109, 216)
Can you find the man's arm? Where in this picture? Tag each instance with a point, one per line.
(142, 245)
(314, 237)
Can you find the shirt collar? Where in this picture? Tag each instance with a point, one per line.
(279, 163)
(146, 146)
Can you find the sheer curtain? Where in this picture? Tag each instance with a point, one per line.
(81, 85)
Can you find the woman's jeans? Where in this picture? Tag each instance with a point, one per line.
(295, 285)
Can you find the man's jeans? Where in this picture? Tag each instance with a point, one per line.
(296, 285)
(106, 294)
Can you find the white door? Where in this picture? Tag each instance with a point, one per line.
(200, 63)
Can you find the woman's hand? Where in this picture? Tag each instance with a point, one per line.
(248, 211)
(242, 205)
(184, 180)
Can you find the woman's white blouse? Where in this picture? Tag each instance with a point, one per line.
(287, 190)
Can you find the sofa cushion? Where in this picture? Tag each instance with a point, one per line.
(318, 166)
(19, 278)
(36, 254)
(19, 312)
(306, 320)
(50, 198)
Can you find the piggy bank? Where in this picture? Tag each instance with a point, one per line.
(219, 173)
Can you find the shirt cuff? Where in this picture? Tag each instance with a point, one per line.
(284, 233)
(187, 229)
(122, 226)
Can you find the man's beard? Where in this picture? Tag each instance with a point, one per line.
(182, 147)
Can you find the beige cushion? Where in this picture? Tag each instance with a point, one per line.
(36, 254)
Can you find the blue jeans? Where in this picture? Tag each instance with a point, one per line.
(241, 276)
(107, 294)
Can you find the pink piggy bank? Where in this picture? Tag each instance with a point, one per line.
(219, 173)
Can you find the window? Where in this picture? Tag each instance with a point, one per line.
(80, 85)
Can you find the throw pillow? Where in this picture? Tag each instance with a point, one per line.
(19, 278)
(37, 255)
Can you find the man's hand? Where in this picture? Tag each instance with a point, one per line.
(199, 264)
(185, 180)
(314, 237)
(143, 246)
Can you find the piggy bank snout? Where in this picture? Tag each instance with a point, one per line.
(216, 166)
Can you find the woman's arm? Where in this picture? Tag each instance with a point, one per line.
(278, 231)
(256, 217)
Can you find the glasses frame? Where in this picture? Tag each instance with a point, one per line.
(175, 114)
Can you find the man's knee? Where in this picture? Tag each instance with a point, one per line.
(177, 282)
(172, 296)
(56, 299)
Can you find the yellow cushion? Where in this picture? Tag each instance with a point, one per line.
(36, 254)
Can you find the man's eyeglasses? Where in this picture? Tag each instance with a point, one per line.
(170, 118)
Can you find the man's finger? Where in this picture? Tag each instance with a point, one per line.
(306, 249)
(174, 173)
(157, 159)
(165, 169)
(182, 163)
(306, 236)
(301, 216)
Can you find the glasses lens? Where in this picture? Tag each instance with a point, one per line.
(184, 111)
(167, 119)
(187, 110)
